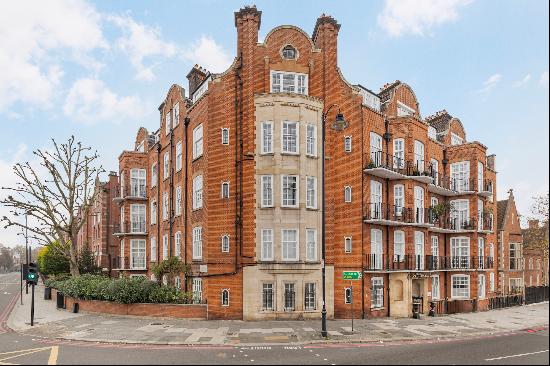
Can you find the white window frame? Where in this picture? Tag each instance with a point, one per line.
(225, 243)
(198, 141)
(376, 148)
(297, 195)
(432, 133)
(311, 140)
(435, 245)
(267, 246)
(197, 243)
(399, 198)
(377, 300)
(153, 254)
(138, 218)
(398, 246)
(138, 182)
(347, 194)
(460, 175)
(178, 156)
(198, 192)
(285, 246)
(348, 244)
(197, 290)
(492, 281)
(225, 297)
(154, 174)
(462, 294)
(177, 244)
(311, 193)
(166, 165)
(267, 146)
(299, 85)
(460, 248)
(140, 251)
(404, 110)
(178, 201)
(347, 144)
(377, 251)
(456, 140)
(266, 192)
(176, 109)
(225, 136)
(399, 153)
(311, 245)
(480, 176)
(435, 287)
(419, 204)
(419, 249)
(420, 155)
(165, 208)
(461, 212)
(168, 122)
(153, 212)
(376, 191)
(296, 138)
(225, 190)
(482, 286)
(165, 247)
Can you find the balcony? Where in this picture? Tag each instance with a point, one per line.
(414, 263)
(127, 228)
(391, 215)
(452, 225)
(123, 263)
(444, 186)
(132, 192)
(487, 189)
(516, 264)
(384, 165)
(485, 223)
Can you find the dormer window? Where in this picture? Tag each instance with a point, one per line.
(289, 53)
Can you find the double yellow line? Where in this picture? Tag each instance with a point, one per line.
(52, 360)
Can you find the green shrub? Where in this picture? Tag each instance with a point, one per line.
(122, 290)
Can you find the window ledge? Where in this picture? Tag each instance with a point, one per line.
(197, 158)
(376, 308)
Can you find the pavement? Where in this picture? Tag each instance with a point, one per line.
(52, 323)
(526, 346)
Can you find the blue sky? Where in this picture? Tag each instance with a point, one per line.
(99, 70)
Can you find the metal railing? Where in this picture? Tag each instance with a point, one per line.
(135, 227)
(384, 211)
(382, 159)
(413, 262)
(131, 191)
(486, 222)
(453, 223)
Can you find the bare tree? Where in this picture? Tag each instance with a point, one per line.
(53, 200)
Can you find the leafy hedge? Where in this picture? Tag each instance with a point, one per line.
(122, 290)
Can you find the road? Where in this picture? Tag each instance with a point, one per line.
(523, 347)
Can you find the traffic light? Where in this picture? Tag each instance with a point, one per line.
(32, 275)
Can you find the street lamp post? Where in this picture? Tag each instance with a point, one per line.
(339, 124)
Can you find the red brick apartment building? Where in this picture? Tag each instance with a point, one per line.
(230, 183)
(536, 257)
(510, 247)
(97, 231)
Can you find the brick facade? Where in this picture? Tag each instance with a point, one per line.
(230, 101)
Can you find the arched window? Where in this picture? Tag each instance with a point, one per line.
(289, 52)
(225, 297)
(225, 243)
(347, 194)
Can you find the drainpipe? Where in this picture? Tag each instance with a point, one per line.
(171, 204)
(158, 201)
(362, 215)
(445, 282)
(238, 171)
(186, 124)
(387, 138)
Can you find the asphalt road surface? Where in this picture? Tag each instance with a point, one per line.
(524, 347)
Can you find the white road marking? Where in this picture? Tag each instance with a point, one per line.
(518, 355)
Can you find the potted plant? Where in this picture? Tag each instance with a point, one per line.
(371, 165)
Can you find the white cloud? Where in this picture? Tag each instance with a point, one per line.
(523, 81)
(90, 101)
(418, 17)
(8, 179)
(29, 32)
(490, 83)
(208, 54)
(544, 79)
(141, 42)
